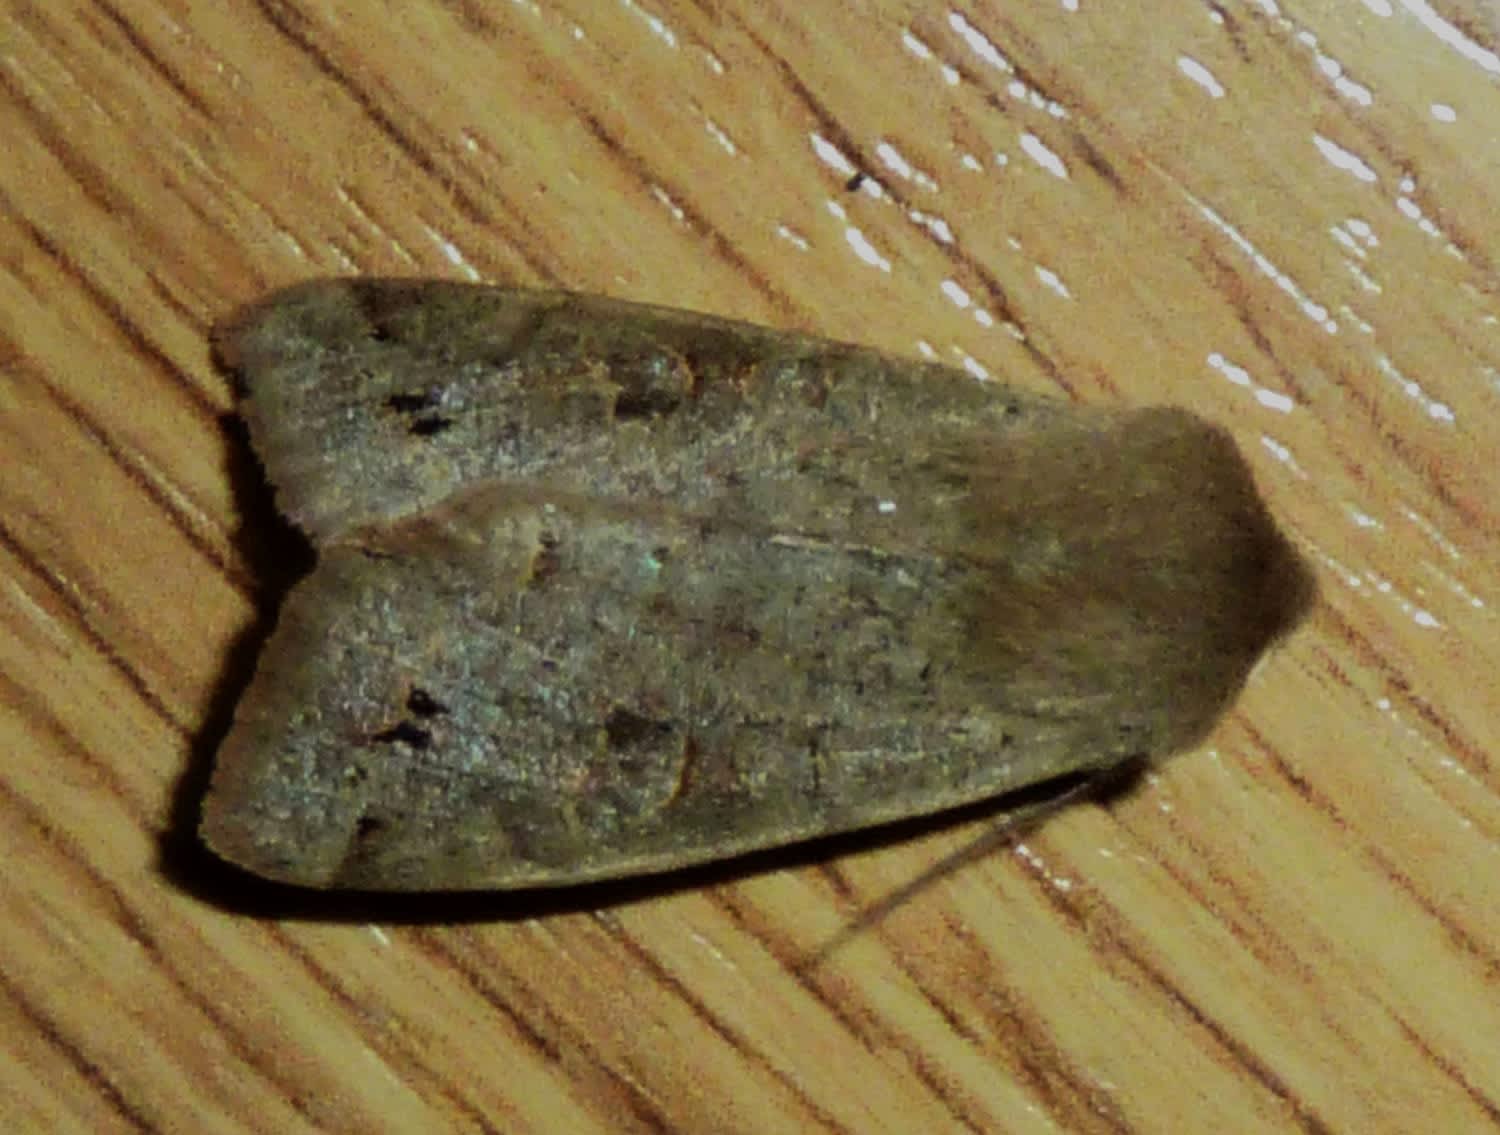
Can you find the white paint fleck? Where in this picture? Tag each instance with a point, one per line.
(40, 618)
(451, 252)
(1364, 279)
(865, 250)
(1354, 92)
(718, 134)
(1052, 280)
(935, 225)
(792, 237)
(970, 162)
(1200, 75)
(915, 45)
(1280, 452)
(1443, 112)
(1343, 159)
(979, 43)
(1425, 619)
(895, 161)
(974, 366)
(1409, 208)
(1038, 152)
(831, 156)
(885, 508)
(378, 934)
(955, 292)
(1349, 235)
(1433, 533)
(1022, 93)
(1334, 70)
(657, 25)
(672, 207)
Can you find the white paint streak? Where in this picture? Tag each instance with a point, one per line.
(1454, 38)
(1270, 399)
(831, 156)
(1037, 151)
(672, 207)
(657, 25)
(792, 237)
(1052, 280)
(895, 161)
(865, 250)
(956, 293)
(718, 134)
(1343, 159)
(979, 43)
(451, 252)
(1438, 411)
(1200, 75)
(974, 367)
(1314, 311)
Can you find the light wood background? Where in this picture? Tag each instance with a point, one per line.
(1284, 214)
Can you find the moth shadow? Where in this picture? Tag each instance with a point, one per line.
(276, 555)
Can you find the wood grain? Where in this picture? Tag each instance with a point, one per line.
(1281, 216)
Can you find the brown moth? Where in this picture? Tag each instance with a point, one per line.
(604, 588)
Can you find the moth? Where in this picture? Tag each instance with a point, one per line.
(604, 589)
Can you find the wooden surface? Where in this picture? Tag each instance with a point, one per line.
(1283, 216)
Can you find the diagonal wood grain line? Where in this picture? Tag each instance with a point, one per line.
(731, 1036)
(641, 1106)
(134, 922)
(90, 1071)
(83, 624)
(295, 27)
